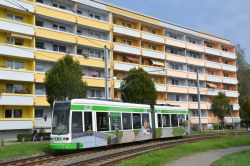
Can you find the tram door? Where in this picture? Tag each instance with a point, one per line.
(77, 126)
(88, 125)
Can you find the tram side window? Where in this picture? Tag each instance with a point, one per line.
(159, 120)
(126, 121)
(166, 120)
(174, 120)
(146, 121)
(102, 121)
(77, 122)
(181, 119)
(137, 121)
(115, 118)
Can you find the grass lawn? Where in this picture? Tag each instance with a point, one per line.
(164, 156)
(22, 149)
(235, 159)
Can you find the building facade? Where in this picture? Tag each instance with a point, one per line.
(36, 33)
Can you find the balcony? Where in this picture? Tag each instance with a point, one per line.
(214, 78)
(232, 93)
(183, 104)
(236, 107)
(212, 92)
(95, 81)
(195, 61)
(177, 73)
(123, 66)
(92, 42)
(212, 51)
(214, 65)
(40, 123)
(177, 89)
(160, 87)
(176, 43)
(53, 12)
(16, 51)
(25, 5)
(14, 124)
(57, 35)
(194, 105)
(16, 99)
(232, 119)
(195, 47)
(176, 58)
(153, 54)
(228, 80)
(195, 120)
(152, 37)
(193, 76)
(12, 26)
(231, 68)
(93, 23)
(16, 75)
(193, 90)
(155, 71)
(127, 49)
(127, 31)
(229, 55)
(117, 84)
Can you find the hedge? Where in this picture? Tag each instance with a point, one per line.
(28, 137)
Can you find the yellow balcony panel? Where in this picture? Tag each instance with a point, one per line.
(195, 61)
(176, 58)
(93, 23)
(92, 62)
(87, 41)
(95, 82)
(55, 35)
(193, 76)
(177, 89)
(194, 105)
(193, 90)
(177, 73)
(41, 101)
(39, 77)
(52, 12)
(195, 47)
(48, 55)
(176, 43)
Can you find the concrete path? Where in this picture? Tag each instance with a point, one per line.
(206, 158)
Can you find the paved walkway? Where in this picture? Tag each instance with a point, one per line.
(206, 158)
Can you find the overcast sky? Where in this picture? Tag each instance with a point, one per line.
(225, 18)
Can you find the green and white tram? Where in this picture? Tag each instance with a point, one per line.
(85, 123)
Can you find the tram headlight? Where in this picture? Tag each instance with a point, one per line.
(67, 138)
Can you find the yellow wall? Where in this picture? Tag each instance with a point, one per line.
(27, 112)
(120, 39)
(26, 42)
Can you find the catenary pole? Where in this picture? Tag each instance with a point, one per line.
(199, 100)
(106, 71)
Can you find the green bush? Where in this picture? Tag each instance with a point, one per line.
(28, 137)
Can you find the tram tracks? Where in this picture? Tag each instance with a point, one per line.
(110, 155)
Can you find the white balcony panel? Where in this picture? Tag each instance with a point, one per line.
(16, 52)
(229, 68)
(232, 93)
(127, 49)
(154, 71)
(228, 80)
(232, 120)
(228, 55)
(6, 99)
(211, 64)
(18, 28)
(124, 67)
(236, 107)
(152, 37)
(117, 84)
(153, 54)
(127, 31)
(160, 88)
(212, 51)
(22, 5)
(212, 92)
(16, 124)
(16, 75)
(41, 123)
(214, 78)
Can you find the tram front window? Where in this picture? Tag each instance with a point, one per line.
(60, 123)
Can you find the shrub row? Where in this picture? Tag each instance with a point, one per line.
(28, 137)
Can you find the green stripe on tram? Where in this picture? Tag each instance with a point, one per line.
(122, 109)
(66, 146)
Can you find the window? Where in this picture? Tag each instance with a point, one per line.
(175, 82)
(159, 120)
(39, 1)
(19, 18)
(126, 121)
(79, 51)
(38, 113)
(8, 113)
(151, 47)
(177, 98)
(194, 98)
(181, 119)
(166, 120)
(54, 5)
(128, 42)
(226, 74)
(224, 49)
(151, 31)
(79, 32)
(55, 26)
(210, 45)
(95, 54)
(62, 28)
(102, 119)
(17, 113)
(226, 87)
(114, 39)
(174, 120)
(79, 12)
(16, 41)
(62, 7)
(15, 88)
(95, 35)
(115, 119)
(40, 45)
(59, 48)
(14, 17)
(146, 121)
(190, 40)
(95, 16)
(126, 24)
(14, 64)
(40, 89)
(77, 126)
(136, 121)
(39, 23)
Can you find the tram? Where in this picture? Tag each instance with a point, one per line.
(86, 123)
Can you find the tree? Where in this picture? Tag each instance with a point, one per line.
(220, 107)
(245, 111)
(64, 80)
(138, 87)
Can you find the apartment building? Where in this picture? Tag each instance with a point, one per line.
(36, 33)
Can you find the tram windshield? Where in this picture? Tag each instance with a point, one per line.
(60, 122)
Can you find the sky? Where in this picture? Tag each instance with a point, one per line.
(229, 19)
